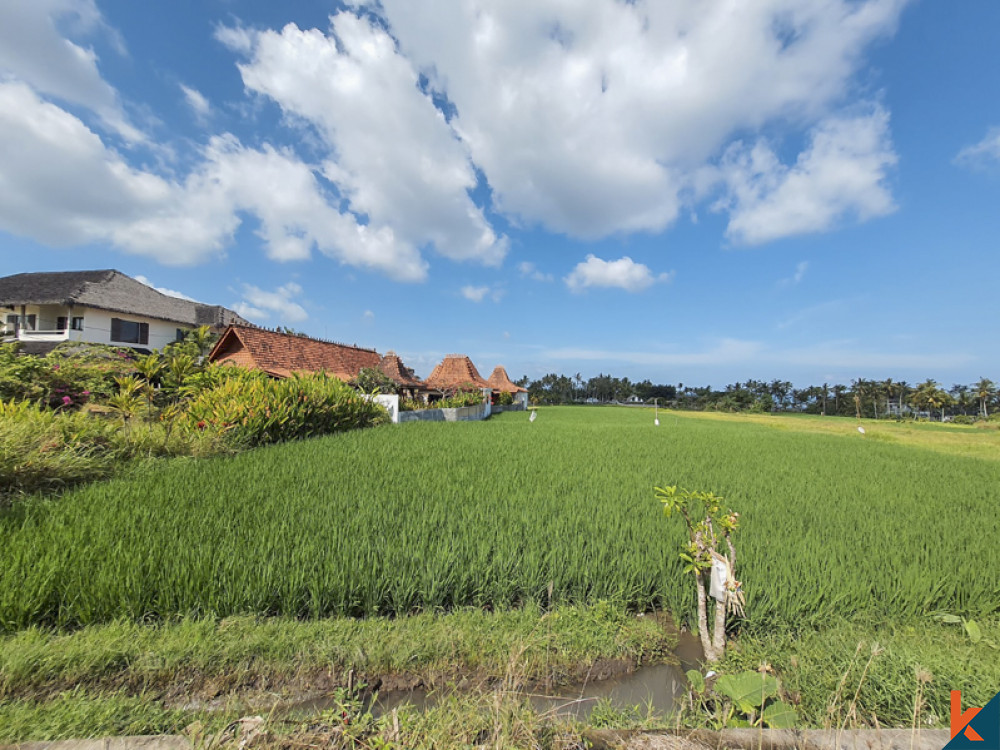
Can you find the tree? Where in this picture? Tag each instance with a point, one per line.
(984, 390)
(708, 525)
(838, 393)
(373, 380)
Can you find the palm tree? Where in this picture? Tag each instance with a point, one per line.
(838, 391)
(825, 393)
(903, 387)
(984, 390)
(960, 393)
(889, 388)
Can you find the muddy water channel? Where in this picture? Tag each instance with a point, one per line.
(658, 686)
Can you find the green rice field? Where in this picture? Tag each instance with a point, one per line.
(429, 516)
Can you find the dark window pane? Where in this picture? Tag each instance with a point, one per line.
(128, 331)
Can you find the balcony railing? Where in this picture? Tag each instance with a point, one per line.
(10, 334)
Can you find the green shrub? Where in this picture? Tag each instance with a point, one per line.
(65, 379)
(459, 399)
(42, 450)
(963, 419)
(249, 408)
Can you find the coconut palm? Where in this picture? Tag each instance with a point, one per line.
(984, 390)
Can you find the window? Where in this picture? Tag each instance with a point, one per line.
(179, 336)
(61, 322)
(76, 324)
(129, 331)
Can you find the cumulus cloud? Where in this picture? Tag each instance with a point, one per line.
(529, 270)
(980, 155)
(593, 123)
(34, 51)
(480, 293)
(61, 185)
(261, 305)
(162, 290)
(197, 102)
(623, 273)
(843, 172)
(392, 155)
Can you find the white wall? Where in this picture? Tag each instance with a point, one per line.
(97, 328)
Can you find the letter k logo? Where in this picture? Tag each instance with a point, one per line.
(960, 720)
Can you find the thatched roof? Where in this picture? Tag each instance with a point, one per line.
(109, 290)
(282, 354)
(456, 371)
(392, 366)
(500, 381)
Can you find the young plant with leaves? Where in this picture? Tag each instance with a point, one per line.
(709, 524)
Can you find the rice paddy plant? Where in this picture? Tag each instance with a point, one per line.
(496, 514)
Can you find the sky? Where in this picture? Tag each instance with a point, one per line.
(686, 192)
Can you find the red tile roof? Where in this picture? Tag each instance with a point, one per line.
(392, 366)
(500, 381)
(281, 354)
(456, 371)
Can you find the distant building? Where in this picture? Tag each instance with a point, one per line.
(283, 354)
(409, 385)
(42, 310)
(500, 382)
(456, 372)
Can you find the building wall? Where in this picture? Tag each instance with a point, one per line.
(96, 325)
(97, 328)
(462, 414)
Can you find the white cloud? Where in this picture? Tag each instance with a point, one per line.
(475, 293)
(260, 304)
(368, 315)
(61, 185)
(479, 293)
(197, 102)
(623, 273)
(162, 290)
(529, 270)
(33, 50)
(842, 173)
(392, 155)
(593, 123)
(983, 154)
(796, 278)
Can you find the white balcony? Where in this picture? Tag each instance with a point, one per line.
(9, 335)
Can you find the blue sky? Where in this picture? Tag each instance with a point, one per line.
(685, 192)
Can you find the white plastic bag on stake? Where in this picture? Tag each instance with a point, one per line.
(720, 576)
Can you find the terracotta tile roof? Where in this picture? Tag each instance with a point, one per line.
(500, 381)
(456, 371)
(281, 354)
(392, 366)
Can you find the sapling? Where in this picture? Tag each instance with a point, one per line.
(709, 524)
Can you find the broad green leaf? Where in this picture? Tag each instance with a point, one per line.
(780, 715)
(973, 630)
(696, 680)
(748, 690)
(950, 619)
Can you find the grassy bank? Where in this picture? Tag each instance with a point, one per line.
(160, 678)
(131, 678)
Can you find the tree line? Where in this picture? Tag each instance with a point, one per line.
(860, 398)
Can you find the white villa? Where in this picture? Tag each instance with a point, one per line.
(42, 310)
